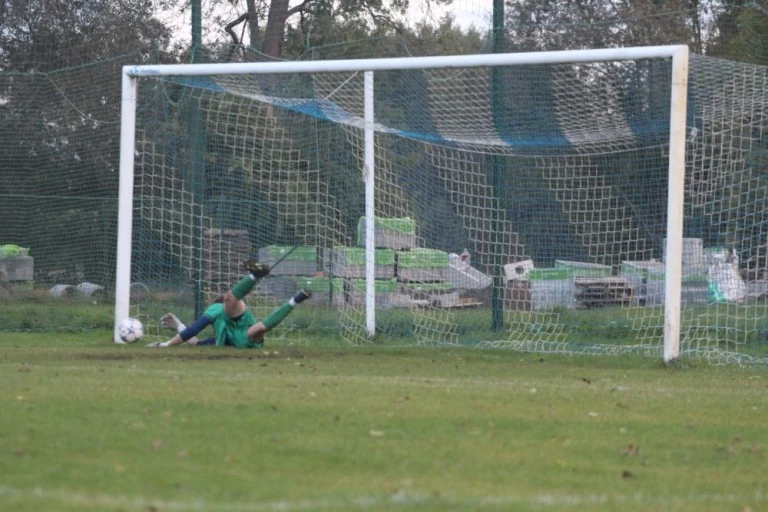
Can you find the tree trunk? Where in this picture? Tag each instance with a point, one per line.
(274, 34)
(696, 22)
(253, 23)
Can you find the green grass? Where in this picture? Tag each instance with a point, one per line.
(739, 330)
(310, 425)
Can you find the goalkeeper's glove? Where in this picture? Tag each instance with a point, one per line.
(159, 344)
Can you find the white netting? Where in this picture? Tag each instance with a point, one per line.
(551, 180)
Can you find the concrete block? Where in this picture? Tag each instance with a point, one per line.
(20, 268)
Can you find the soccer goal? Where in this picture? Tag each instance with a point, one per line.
(532, 201)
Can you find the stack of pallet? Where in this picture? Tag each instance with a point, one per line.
(406, 275)
(289, 265)
(425, 275)
(349, 264)
(594, 286)
(595, 292)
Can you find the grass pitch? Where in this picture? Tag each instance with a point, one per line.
(303, 426)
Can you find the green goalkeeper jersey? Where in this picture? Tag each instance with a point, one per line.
(227, 329)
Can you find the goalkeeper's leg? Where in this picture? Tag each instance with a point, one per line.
(233, 303)
(257, 331)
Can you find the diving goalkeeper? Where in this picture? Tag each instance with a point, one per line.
(233, 323)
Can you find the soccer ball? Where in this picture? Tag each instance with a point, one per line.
(131, 330)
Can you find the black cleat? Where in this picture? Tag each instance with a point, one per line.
(256, 269)
(301, 296)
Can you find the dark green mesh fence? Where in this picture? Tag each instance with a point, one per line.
(560, 174)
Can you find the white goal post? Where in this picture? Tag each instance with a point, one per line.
(676, 175)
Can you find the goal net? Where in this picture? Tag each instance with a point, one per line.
(541, 204)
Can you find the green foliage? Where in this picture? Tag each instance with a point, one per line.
(751, 43)
(444, 38)
(42, 35)
(732, 29)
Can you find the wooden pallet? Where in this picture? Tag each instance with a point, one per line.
(596, 292)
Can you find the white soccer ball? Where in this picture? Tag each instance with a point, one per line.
(131, 330)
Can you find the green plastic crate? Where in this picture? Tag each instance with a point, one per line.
(393, 233)
(349, 262)
(300, 253)
(550, 274)
(320, 284)
(584, 269)
(422, 258)
(356, 256)
(649, 270)
(13, 251)
(382, 285)
(287, 261)
(397, 224)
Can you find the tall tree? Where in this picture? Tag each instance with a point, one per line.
(41, 35)
(60, 63)
(555, 25)
(578, 24)
(280, 17)
(750, 43)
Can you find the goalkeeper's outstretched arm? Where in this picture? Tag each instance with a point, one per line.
(176, 340)
(184, 333)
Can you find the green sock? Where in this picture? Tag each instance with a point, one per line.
(242, 288)
(278, 315)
